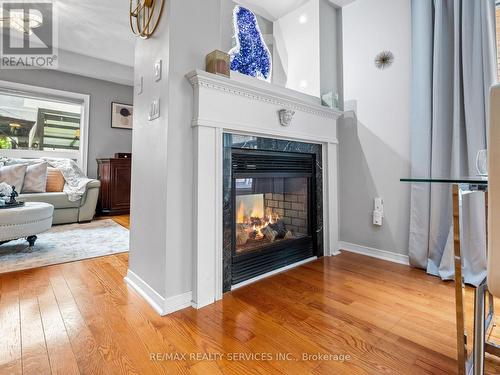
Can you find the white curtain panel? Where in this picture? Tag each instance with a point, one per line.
(454, 66)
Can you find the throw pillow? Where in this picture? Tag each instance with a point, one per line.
(13, 175)
(14, 161)
(35, 178)
(55, 181)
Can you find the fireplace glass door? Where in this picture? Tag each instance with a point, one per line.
(270, 210)
(273, 211)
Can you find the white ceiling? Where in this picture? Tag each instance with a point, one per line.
(96, 28)
(341, 3)
(272, 10)
(275, 9)
(100, 28)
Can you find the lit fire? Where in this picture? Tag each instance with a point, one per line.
(251, 215)
(245, 213)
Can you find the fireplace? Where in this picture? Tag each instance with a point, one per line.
(241, 113)
(191, 259)
(273, 211)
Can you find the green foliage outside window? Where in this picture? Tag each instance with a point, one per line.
(5, 143)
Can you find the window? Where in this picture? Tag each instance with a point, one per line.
(38, 122)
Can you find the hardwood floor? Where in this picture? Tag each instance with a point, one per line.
(82, 318)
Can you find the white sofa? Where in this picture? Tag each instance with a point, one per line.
(65, 211)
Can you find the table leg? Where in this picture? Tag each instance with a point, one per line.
(479, 329)
(31, 240)
(459, 291)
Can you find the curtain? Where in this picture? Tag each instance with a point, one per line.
(454, 66)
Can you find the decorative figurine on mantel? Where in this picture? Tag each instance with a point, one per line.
(219, 63)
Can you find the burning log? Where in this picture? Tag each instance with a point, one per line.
(241, 235)
(253, 234)
(269, 233)
(280, 228)
(256, 221)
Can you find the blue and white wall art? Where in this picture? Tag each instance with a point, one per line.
(250, 56)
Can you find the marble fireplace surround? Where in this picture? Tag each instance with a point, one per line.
(246, 106)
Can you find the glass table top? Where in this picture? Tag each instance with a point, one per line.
(477, 180)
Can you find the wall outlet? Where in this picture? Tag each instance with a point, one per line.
(154, 109)
(157, 70)
(378, 218)
(378, 211)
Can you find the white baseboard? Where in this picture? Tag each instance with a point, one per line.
(177, 303)
(260, 277)
(375, 253)
(161, 305)
(145, 291)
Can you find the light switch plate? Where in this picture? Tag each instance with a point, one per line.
(158, 70)
(154, 109)
(140, 85)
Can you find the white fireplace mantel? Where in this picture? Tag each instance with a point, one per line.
(244, 105)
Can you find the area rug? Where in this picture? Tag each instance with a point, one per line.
(65, 243)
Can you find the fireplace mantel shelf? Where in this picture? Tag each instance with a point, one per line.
(255, 89)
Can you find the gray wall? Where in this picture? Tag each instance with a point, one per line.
(375, 144)
(161, 236)
(226, 27)
(104, 141)
(329, 48)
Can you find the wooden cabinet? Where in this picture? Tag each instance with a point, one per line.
(114, 197)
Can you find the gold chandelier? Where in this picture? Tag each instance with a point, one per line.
(145, 16)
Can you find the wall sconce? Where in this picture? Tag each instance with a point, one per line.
(145, 16)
